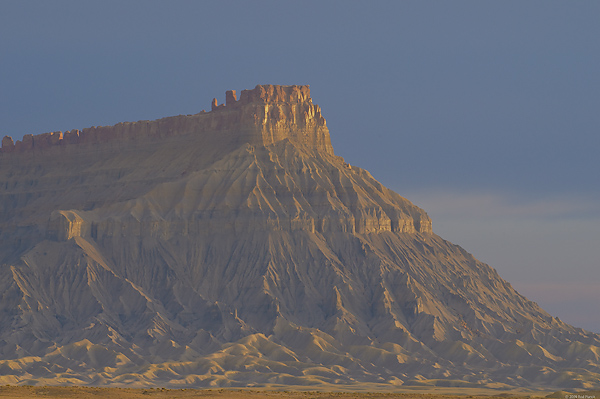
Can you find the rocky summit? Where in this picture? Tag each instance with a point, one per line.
(234, 248)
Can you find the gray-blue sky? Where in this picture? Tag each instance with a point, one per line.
(486, 114)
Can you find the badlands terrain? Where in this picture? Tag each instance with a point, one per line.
(233, 248)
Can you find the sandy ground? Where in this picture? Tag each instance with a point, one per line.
(9, 392)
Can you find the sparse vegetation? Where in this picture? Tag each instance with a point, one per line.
(28, 391)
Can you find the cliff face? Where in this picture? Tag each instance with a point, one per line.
(47, 174)
(232, 248)
(262, 116)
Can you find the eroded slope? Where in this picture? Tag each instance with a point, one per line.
(199, 260)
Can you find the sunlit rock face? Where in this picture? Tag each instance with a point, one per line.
(233, 248)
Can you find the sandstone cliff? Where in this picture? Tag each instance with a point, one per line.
(233, 248)
(262, 116)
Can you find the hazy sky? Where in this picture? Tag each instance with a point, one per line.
(486, 114)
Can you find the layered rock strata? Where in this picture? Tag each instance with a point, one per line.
(263, 115)
(233, 248)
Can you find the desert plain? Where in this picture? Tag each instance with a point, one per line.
(75, 392)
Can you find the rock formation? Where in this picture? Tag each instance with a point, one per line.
(262, 116)
(234, 248)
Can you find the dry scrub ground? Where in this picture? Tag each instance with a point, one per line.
(9, 392)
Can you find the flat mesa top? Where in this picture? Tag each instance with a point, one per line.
(265, 105)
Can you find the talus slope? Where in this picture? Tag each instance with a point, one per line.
(233, 248)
